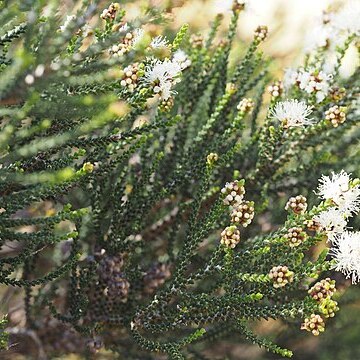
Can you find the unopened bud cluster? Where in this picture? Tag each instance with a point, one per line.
(234, 193)
(322, 289)
(196, 40)
(313, 225)
(246, 105)
(295, 236)
(122, 48)
(212, 158)
(116, 286)
(261, 33)
(130, 77)
(276, 89)
(315, 324)
(336, 115)
(337, 93)
(110, 12)
(328, 307)
(155, 277)
(297, 204)
(281, 276)
(230, 236)
(243, 213)
(321, 292)
(166, 104)
(238, 5)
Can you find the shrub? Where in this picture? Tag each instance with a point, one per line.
(126, 159)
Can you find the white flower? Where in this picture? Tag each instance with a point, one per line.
(315, 82)
(331, 221)
(182, 59)
(290, 78)
(124, 28)
(292, 113)
(346, 253)
(347, 19)
(350, 201)
(138, 35)
(159, 42)
(67, 22)
(87, 30)
(337, 189)
(162, 75)
(322, 36)
(332, 188)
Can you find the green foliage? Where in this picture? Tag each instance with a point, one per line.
(4, 336)
(110, 193)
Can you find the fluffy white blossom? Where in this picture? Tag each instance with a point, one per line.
(182, 59)
(162, 75)
(346, 253)
(138, 35)
(347, 18)
(331, 221)
(322, 36)
(292, 113)
(67, 22)
(159, 42)
(350, 201)
(332, 187)
(290, 78)
(337, 188)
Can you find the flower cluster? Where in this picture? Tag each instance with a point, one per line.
(337, 93)
(234, 193)
(331, 31)
(67, 22)
(261, 33)
(322, 293)
(346, 253)
(295, 236)
(131, 76)
(322, 289)
(129, 41)
(281, 276)
(155, 277)
(241, 212)
(315, 324)
(336, 115)
(297, 204)
(110, 12)
(246, 105)
(341, 191)
(161, 76)
(182, 59)
(276, 89)
(312, 81)
(197, 41)
(292, 113)
(343, 194)
(230, 236)
(159, 42)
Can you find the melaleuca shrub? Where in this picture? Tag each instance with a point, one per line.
(154, 198)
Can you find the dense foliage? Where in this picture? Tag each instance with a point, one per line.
(125, 159)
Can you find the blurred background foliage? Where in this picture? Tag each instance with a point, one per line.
(289, 22)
